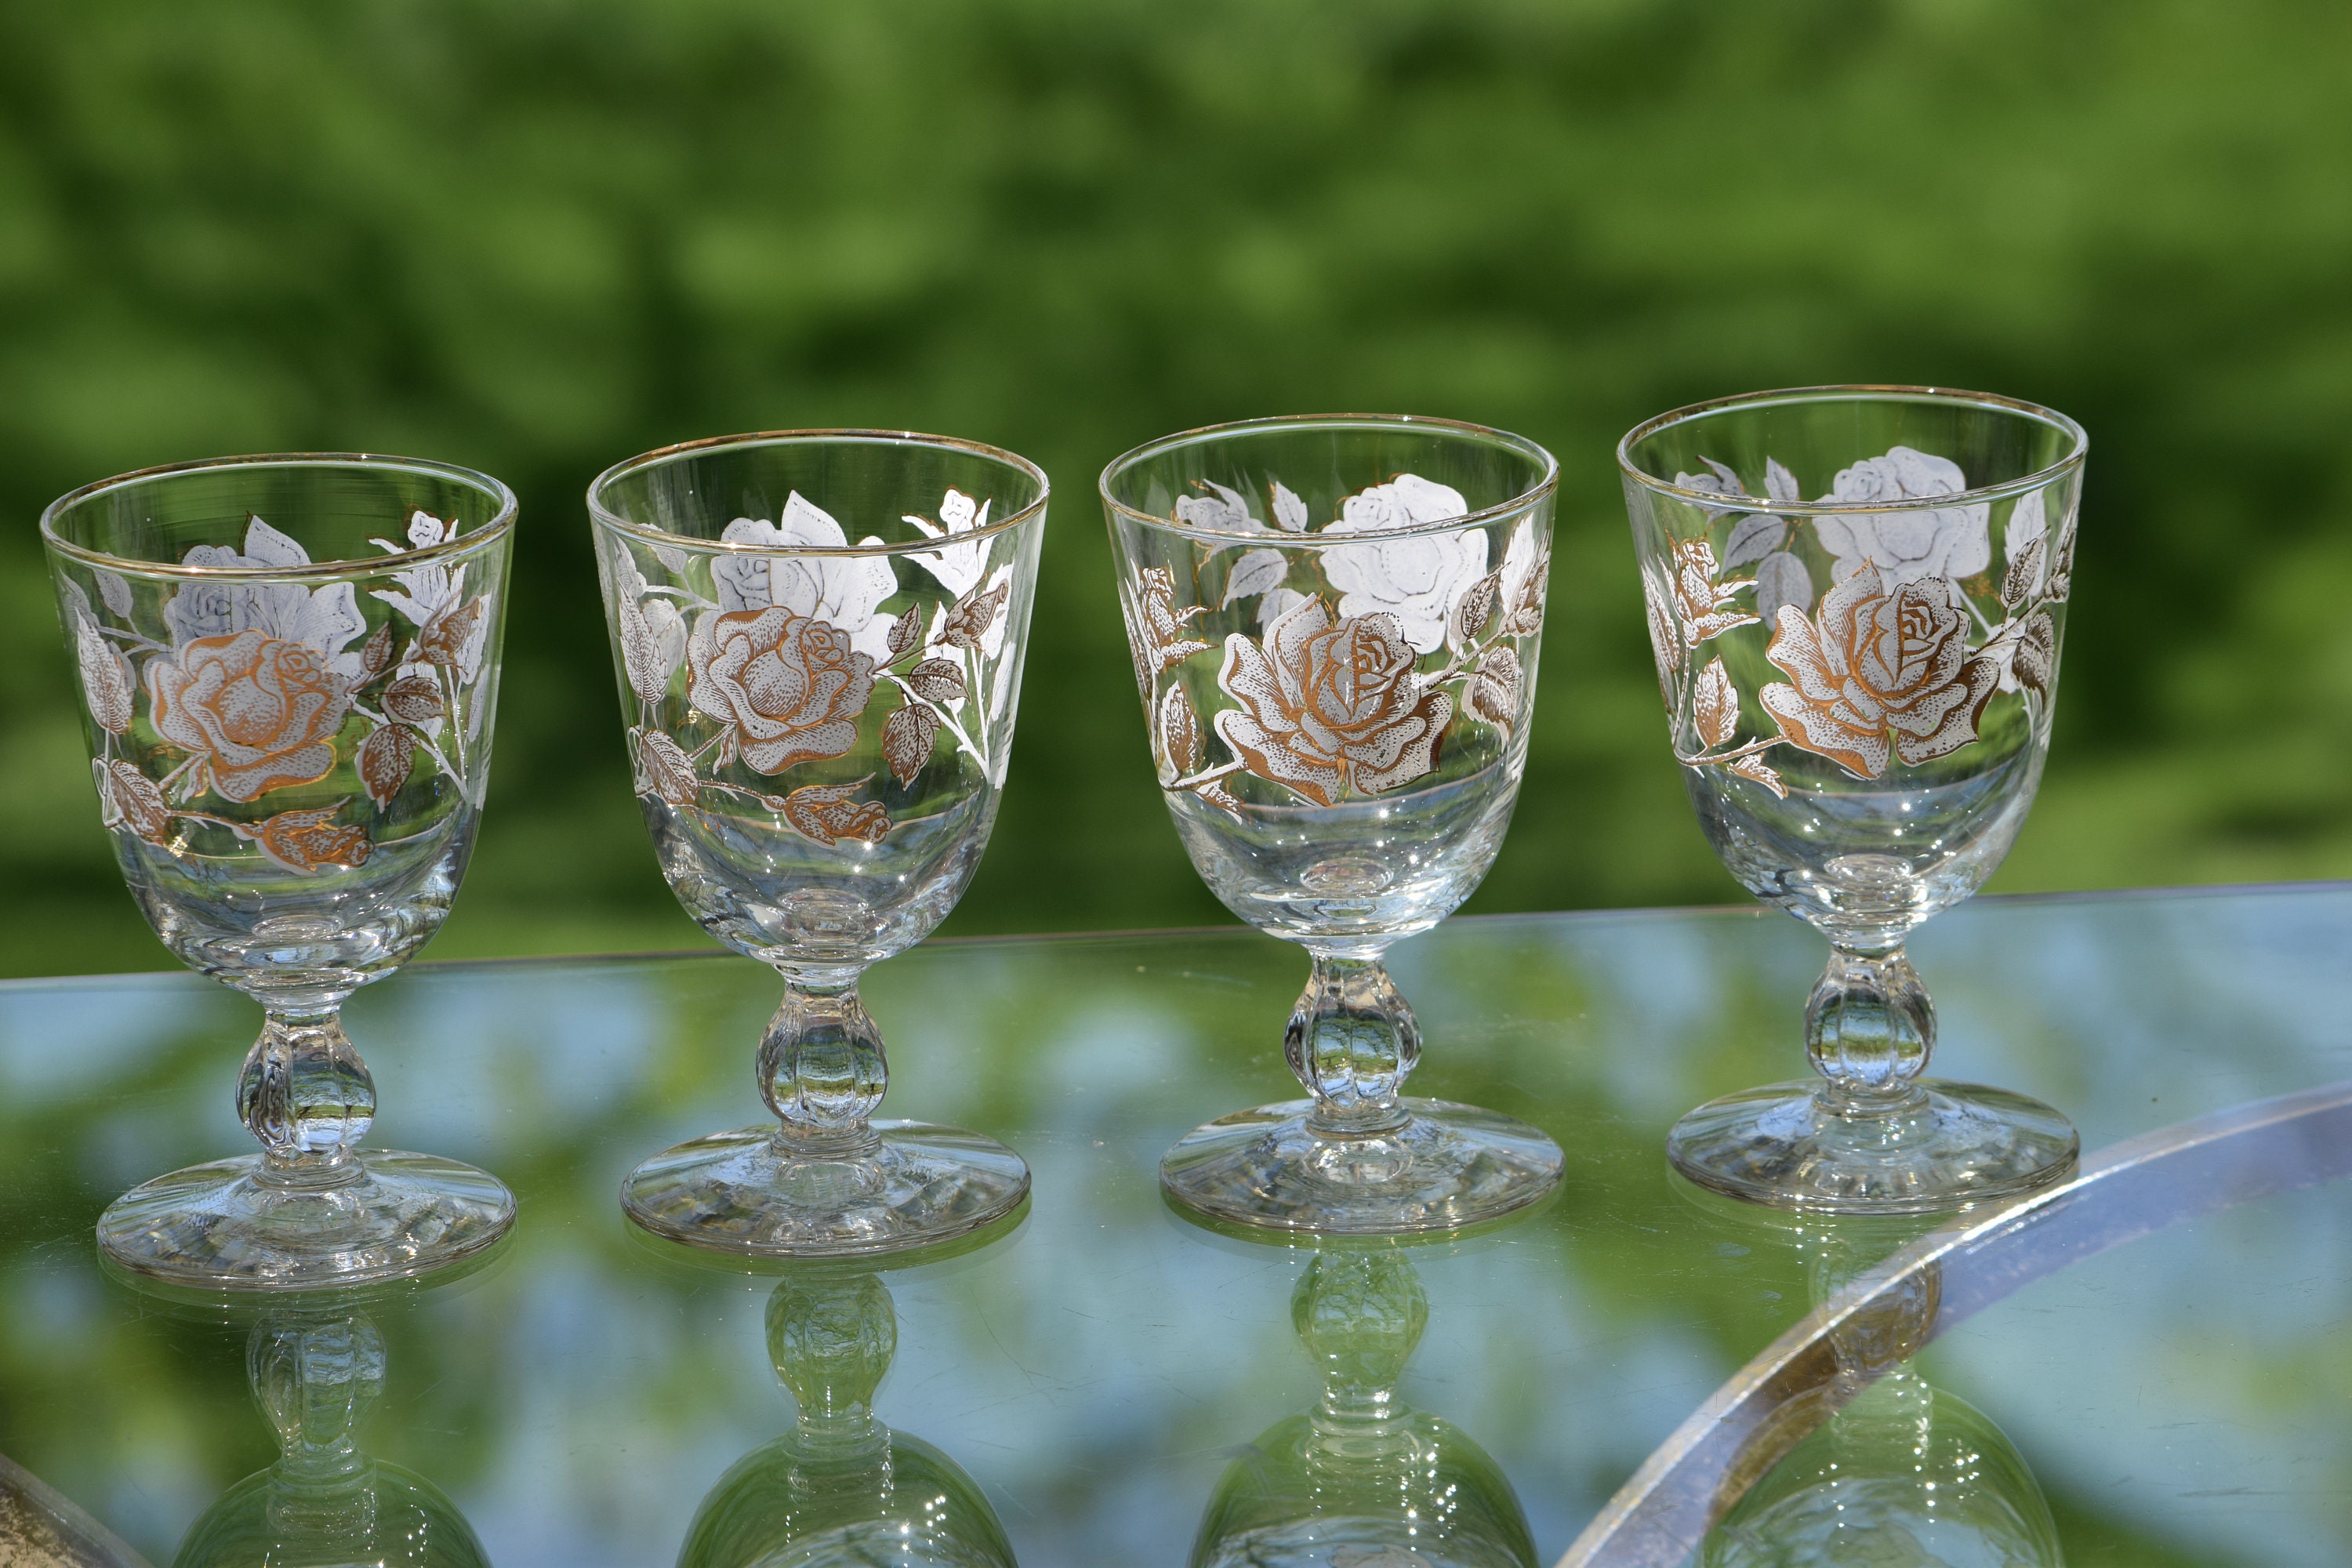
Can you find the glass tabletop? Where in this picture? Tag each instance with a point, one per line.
(2158, 1379)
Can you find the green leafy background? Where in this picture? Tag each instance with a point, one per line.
(536, 235)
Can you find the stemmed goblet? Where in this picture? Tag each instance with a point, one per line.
(1859, 689)
(1334, 622)
(820, 728)
(288, 667)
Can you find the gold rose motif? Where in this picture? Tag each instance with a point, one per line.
(261, 712)
(789, 686)
(306, 840)
(1879, 666)
(1328, 706)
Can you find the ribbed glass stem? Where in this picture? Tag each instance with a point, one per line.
(307, 1099)
(1352, 1040)
(822, 1069)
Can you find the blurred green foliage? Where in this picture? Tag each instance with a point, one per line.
(536, 236)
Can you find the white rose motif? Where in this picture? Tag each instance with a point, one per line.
(323, 619)
(1947, 541)
(843, 591)
(1417, 579)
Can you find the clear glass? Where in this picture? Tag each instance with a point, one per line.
(289, 667)
(1362, 1479)
(1873, 1464)
(1335, 623)
(1857, 598)
(840, 1486)
(820, 729)
(316, 1373)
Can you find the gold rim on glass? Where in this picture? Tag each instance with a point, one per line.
(605, 516)
(485, 533)
(1547, 482)
(1858, 392)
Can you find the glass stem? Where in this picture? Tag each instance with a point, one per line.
(1869, 1029)
(307, 1099)
(1352, 1040)
(821, 1070)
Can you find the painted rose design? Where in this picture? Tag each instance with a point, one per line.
(1886, 668)
(262, 712)
(1330, 705)
(1418, 580)
(1905, 546)
(789, 685)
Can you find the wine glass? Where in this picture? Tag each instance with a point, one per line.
(1334, 622)
(1859, 688)
(288, 669)
(819, 728)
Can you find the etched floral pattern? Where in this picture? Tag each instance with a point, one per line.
(253, 687)
(1897, 665)
(788, 658)
(1330, 701)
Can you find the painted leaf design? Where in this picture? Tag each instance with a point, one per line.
(1289, 511)
(1179, 736)
(906, 629)
(1780, 485)
(376, 652)
(968, 618)
(2023, 576)
(1752, 539)
(938, 680)
(384, 760)
(413, 699)
(664, 769)
(1477, 608)
(827, 813)
(1754, 768)
(1715, 705)
(1782, 579)
(1494, 691)
(104, 682)
(907, 738)
(1254, 573)
(113, 590)
(653, 644)
(1215, 793)
(130, 797)
(2036, 659)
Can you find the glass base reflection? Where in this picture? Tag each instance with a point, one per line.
(384, 1215)
(1790, 1145)
(892, 1185)
(1440, 1167)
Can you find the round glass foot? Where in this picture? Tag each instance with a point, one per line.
(749, 1191)
(1447, 1166)
(219, 1226)
(1956, 1144)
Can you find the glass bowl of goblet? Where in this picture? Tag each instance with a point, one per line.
(1334, 623)
(287, 670)
(819, 637)
(1856, 595)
